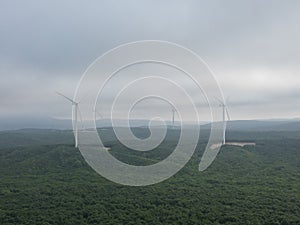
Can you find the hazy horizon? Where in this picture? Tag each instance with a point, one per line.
(66, 123)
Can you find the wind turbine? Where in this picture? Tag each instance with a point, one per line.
(225, 113)
(75, 108)
(97, 113)
(173, 118)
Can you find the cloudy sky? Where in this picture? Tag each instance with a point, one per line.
(252, 46)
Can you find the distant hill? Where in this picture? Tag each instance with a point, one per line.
(261, 125)
(66, 124)
(35, 123)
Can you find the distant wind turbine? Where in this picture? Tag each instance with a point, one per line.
(76, 110)
(97, 113)
(173, 118)
(225, 113)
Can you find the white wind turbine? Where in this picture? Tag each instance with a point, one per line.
(225, 113)
(76, 110)
(97, 113)
(173, 118)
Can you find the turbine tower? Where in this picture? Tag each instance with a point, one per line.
(75, 125)
(173, 118)
(225, 114)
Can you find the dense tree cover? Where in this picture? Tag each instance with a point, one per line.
(51, 184)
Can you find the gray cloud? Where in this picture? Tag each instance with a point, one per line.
(252, 46)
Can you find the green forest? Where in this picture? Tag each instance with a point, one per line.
(45, 180)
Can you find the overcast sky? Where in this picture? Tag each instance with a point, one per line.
(252, 46)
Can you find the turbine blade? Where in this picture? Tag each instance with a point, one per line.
(99, 114)
(227, 100)
(227, 113)
(219, 100)
(66, 97)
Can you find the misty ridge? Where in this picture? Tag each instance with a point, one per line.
(66, 124)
